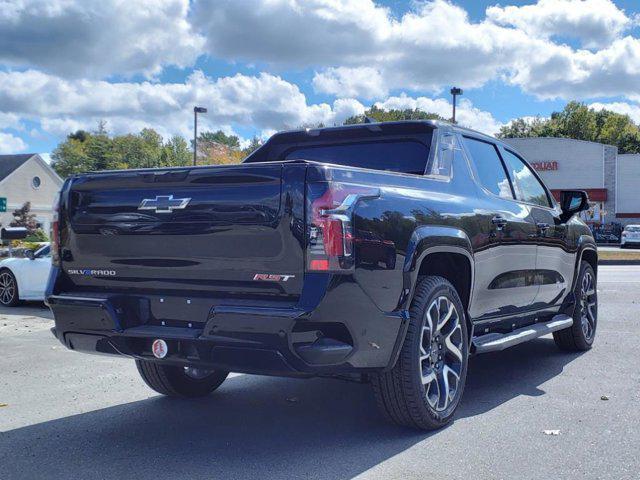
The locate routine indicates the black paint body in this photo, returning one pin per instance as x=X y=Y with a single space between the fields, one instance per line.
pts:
x=187 y=276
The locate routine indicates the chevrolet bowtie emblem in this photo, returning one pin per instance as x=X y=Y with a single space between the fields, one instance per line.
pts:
x=164 y=203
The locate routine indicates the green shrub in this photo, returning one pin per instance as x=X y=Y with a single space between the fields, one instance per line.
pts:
x=37 y=236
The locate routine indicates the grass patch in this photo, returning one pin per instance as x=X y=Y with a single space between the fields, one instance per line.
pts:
x=619 y=255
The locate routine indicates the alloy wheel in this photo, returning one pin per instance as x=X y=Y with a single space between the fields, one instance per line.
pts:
x=7 y=288
x=441 y=353
x=588 y=305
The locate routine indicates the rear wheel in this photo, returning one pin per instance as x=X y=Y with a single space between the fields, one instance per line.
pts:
x=8 y=289
x=425 y=386
x=390 y=261
x=581 y=334
x=176 y=381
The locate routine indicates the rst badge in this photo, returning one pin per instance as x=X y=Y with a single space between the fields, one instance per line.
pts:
x=270 y=277
x=164 y=203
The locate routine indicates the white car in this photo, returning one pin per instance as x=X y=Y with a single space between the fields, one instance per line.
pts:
x=24 y=278
x=630 y=236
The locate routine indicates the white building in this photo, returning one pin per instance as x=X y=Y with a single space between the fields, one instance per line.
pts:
x=628 y=188
x=611 y=180
x=28 y=178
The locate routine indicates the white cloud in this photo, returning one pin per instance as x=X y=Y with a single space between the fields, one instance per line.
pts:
x=431 y=46
x=559 y=72
x=11 y=144
x=633 y=110
x=365 y=82
x=97 y=38
x=359 y=49
x=9 y=120
x=466 y=114
x=57 y=56
x=292 y=32
x=264 y=102
x=594 y=22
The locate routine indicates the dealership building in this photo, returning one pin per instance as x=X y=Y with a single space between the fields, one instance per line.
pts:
x=612 y=180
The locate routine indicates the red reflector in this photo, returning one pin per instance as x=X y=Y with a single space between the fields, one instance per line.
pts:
x=319 y=265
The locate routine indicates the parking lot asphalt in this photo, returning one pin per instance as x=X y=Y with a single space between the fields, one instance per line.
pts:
x=70 y=415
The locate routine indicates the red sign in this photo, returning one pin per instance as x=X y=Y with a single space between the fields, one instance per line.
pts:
x=544 y=166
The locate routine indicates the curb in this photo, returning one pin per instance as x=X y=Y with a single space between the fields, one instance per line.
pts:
x=618 y=262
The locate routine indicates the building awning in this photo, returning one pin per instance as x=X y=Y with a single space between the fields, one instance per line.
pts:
x=595 y=194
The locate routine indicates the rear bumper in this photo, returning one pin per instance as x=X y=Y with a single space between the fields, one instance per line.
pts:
x=334 y=328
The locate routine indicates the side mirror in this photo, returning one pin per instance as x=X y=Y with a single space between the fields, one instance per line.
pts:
x=572 y=202
x=30 y=254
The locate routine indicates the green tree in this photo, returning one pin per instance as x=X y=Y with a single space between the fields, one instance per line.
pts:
x=231 y=141
x=22 y=217
x=578 y=121
x=70 y=157
x=521 y=127
x=84 y=151
x=382 y=115
x=176 y=153
x=254 y=144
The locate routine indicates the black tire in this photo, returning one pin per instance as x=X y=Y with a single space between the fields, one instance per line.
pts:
x=580 y=337
x=9 y=295
x=390 y=261
x=400 y=392
x=173 y=381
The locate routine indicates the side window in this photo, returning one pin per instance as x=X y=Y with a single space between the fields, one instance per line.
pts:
x=528 y=188
x=448 y=149
x=489 y=167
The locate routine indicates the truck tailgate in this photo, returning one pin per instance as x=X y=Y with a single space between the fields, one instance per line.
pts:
x=228 y=229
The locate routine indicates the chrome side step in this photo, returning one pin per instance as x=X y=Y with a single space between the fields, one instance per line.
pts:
x=493 y=342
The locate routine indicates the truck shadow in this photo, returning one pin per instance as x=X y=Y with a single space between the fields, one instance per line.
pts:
x=256 y=426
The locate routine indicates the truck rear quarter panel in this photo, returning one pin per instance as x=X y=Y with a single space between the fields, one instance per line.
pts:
x=411 y=214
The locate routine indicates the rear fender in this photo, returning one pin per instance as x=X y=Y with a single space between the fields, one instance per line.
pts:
x=433 y=239
x=427 y=240
x=585 y=243
x=586 y=246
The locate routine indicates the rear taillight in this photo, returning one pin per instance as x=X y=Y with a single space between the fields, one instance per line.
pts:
x=329 y=224
x=55 y=232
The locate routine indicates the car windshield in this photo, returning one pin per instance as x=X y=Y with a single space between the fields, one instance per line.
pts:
x=633 y=228
x=42 y=251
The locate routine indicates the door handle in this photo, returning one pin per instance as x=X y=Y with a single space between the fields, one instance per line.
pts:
x=499 y=221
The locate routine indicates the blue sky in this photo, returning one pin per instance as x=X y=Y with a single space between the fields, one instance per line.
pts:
x=266 y=65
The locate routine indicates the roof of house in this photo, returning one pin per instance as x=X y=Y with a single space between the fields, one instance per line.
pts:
x=10 y=163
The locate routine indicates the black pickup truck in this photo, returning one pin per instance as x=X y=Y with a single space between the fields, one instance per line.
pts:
x=384 y=251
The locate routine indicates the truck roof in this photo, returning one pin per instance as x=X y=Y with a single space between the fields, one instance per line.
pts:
x=411 y=126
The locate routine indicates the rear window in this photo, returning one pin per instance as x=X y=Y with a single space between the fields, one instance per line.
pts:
x=406 y=156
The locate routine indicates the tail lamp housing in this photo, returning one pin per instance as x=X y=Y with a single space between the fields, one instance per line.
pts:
x=330 y=210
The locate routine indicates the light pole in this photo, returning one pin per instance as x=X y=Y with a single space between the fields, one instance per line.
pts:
x=196 y=111
x=455 y=91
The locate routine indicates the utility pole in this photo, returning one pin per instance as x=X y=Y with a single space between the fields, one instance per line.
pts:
x=455 y=91
x=196 y=111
